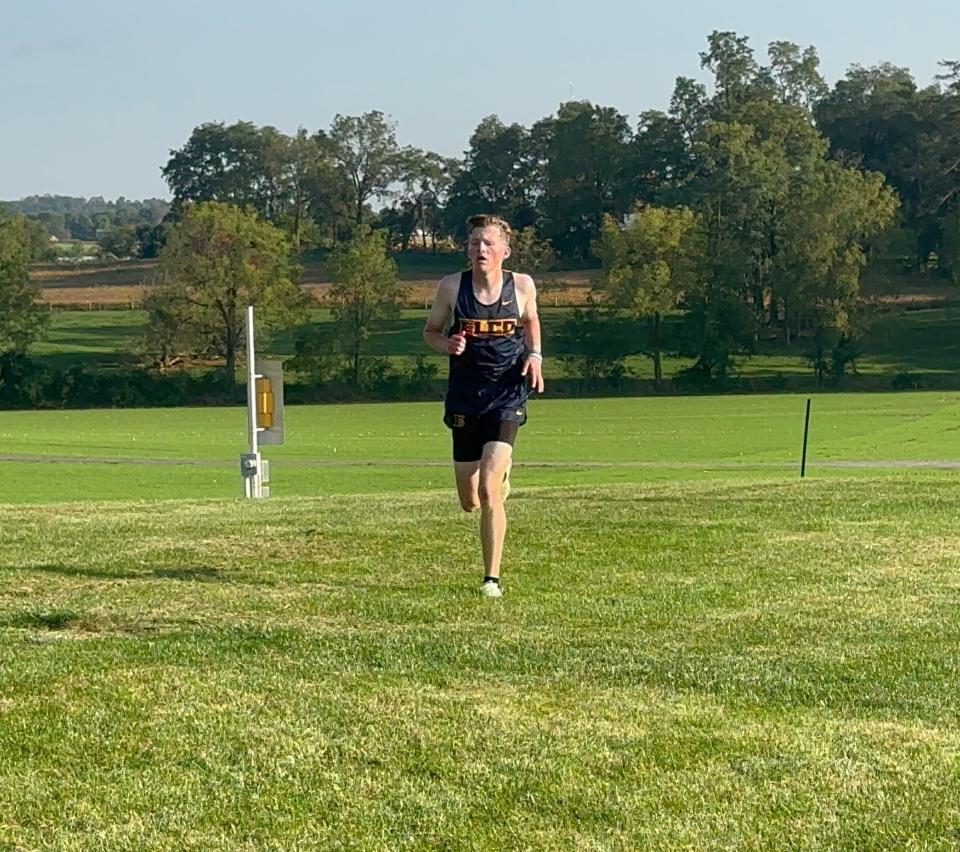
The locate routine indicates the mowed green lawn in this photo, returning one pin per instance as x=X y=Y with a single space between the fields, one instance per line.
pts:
x=184 y=453
x=737 y=664
x=696 y=648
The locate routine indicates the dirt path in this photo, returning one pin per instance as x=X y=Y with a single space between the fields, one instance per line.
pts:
x=932 y=464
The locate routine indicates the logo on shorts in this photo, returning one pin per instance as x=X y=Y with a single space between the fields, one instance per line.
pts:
x=519 y=412
x=459 y=421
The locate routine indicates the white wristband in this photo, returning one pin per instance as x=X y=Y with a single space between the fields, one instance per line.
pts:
x=535 y=353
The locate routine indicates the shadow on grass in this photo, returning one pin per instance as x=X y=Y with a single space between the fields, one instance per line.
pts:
x=69 y=621
x=197 y=574
x=56 y=619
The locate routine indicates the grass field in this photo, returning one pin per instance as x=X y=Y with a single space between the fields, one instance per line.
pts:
x=696 y=649
x=171 y=453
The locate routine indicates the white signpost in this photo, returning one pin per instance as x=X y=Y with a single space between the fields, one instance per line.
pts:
x=264 y=416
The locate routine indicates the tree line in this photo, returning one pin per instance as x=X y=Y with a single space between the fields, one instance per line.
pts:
x=563 y=173
x=748 y=212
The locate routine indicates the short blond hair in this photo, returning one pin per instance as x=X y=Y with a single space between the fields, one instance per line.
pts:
x=488 y=220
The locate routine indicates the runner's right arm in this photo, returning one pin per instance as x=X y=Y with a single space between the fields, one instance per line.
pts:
x=433 y=331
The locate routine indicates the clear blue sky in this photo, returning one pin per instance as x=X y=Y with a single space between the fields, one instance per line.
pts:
x=94 y=95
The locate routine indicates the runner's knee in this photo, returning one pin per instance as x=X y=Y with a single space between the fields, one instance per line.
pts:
x=469 y=503
x=490 y=493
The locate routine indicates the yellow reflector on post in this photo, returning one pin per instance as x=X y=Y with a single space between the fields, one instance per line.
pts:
x=265 y=403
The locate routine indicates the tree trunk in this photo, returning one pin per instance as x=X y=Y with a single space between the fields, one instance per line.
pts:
x=655 y=346
x=423 y=225
x=759 y=308
x=231 y=365
x=358 y=326
x=298 y=208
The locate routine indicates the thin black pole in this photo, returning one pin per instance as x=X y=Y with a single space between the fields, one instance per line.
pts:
x=806 y=431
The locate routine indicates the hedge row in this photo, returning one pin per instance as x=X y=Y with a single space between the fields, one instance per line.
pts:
x=25 y=384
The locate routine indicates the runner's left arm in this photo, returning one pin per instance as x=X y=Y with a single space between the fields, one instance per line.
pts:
x=530 y=320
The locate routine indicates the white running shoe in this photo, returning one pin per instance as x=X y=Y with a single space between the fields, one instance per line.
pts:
x=491 y=590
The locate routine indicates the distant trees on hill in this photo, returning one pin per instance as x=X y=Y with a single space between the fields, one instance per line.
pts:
x=65 y=217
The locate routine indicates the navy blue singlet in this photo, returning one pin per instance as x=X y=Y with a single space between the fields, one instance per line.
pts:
x=487 y=378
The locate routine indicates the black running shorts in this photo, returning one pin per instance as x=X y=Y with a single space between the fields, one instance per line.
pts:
x=470 y=433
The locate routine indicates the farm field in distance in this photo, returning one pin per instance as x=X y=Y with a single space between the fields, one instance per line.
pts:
x=123 y=283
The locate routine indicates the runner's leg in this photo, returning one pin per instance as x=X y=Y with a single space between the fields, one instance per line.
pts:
x=493 y=519
x=468 y=484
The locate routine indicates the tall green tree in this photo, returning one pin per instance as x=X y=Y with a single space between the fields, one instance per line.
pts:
x=877 y=118
x=364 y=292
x=586 y=154
x=330 y=194
x=22 y=319
x=425 y=178
x=784 y=225
x=648 y=264
x=949 y=172
x=948 y=142
x=498 y=174
x=308 y=193
x=366 y=151
x=833 y=211
x=741 y=190
x=222 y=258
x=220 y=163
x=300 y=183
x=662 y=159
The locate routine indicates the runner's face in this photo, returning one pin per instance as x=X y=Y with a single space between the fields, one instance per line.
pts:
x=487 y=249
